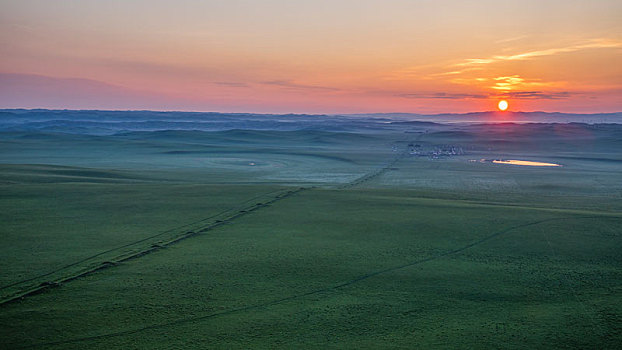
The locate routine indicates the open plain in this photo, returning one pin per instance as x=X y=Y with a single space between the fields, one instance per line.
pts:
x=246 y=231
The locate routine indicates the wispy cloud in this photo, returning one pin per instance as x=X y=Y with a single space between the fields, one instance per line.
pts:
x=231 y=84
x=288 y=84
x=593 y=44
x=516 y=95
x=21 y=90
x=506 y=40
x=515 y=82
x=443 y=96
x=470 y=65
x=507 y=83
x=539 y=95
x=455 y=72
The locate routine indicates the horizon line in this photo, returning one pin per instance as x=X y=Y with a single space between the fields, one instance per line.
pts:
x=298 y=113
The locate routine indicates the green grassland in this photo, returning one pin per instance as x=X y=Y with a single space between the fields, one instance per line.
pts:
x=208 y=241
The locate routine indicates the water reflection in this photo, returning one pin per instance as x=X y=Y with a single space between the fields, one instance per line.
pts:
x=523 y=162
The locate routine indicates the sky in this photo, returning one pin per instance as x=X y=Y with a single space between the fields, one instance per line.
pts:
x=312 y=56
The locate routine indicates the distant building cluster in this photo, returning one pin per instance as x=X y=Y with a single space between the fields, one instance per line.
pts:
x=436 y=151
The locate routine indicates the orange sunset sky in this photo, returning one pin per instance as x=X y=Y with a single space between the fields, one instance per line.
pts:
x=280 y=56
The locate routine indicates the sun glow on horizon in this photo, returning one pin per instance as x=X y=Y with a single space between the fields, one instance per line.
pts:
x=503 y=105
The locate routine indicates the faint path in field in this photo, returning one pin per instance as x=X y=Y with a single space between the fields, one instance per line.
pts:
x=179 y=228
x=39 y=283
x=371 y=175
x=312 y=292
x=378 y=172
x=193 y=228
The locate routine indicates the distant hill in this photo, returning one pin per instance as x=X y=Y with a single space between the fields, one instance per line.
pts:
x=496 y=117
x=96 y=122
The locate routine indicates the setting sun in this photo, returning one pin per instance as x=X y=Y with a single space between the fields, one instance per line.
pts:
x=503 y=105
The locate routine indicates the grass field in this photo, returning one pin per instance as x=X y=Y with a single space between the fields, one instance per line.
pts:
x=416 y=253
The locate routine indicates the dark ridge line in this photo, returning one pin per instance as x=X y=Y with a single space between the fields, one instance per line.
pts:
x=49 y=284
x=316 y=291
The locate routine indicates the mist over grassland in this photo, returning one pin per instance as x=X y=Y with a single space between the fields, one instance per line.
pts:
x=95 y=122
